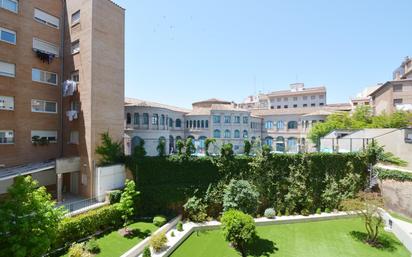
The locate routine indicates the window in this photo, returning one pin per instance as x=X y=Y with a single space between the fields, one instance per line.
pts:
x=268 y=141
x=11 y=5
x=49 y=135
x=397 y=101
x=268 y=124
x=278 y=107
x=216 y=118
x=171 y=122
x=245 y=134
x=187 y=124
x=162 y=119
x=295 y=98
x=245 y=120
x=280 y=124
x=128 y=118
x=145 y=119
x=43 y=106
x=227 y=133
x=285 y=106
x=194 y=124
x=216 y=133
x=285 y=99
x=321 y=96
x=74 y=105
x=75 y=48
x=312 y=97
x=45 y=47
x=7 y=69
x=202 y=124
x=227 y=119
x=76 y=17
x=321 y=104
x=75 y=76
x=295 y=106
x=206 y=123
x=292 y=144
x=179 y=123
x=6 y=137
x=74 y=137
x=7 y=36
x=305 y=97
x=136 y=118
x=397 y=88
x=191 y=124
x=198 y=124
x=237 y=134
x=237 y=119
x=46 y=18
x=6 y=103
x=292 y=125
x=155 y=119
x=305 y=105
x=312 y=105
x=272 y=107
x=44 y=76
x=279 y=99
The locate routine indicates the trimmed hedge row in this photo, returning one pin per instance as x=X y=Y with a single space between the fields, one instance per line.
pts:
x=394 y=174
x=166 y=183
x=72 y=229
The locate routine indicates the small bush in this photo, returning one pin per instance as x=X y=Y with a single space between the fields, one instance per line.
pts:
x=179 y=226
x=270 y=213
x=305 y=212
x=77 y=250
x=92 y=246
x=158 y=241
x=240 y=195
x=287 y=212
x=159 y=221
x=114 y=196
x=279 y=214
x=195 y=209
x=146 y=252
x=327 y=210
x=318 y=211
x=172 y=234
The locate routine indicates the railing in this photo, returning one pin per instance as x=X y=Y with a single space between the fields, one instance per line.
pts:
x=77 y=205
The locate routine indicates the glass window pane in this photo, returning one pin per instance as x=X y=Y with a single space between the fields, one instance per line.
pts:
x=8 y=37
x=10 y=5
x=50 y=107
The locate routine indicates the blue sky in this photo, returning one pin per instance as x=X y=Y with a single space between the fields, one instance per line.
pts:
x=181 y=51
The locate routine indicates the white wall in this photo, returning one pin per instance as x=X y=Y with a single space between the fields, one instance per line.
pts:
x=109 y=178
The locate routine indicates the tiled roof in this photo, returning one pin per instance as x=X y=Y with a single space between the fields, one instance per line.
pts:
x=142 y=103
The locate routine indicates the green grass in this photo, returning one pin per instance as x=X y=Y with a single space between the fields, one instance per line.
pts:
x=114 y=244
x=337 y=238
x=400 y=217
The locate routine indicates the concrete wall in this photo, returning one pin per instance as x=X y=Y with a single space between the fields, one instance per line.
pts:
x=395 y=143
x=109 y=178
x=397 y=196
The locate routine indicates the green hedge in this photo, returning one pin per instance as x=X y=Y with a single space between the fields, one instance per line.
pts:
x=394 y=174
x=72 y=229
x=166 y=183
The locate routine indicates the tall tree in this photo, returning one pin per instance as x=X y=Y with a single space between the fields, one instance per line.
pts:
x=111 y=152
x=28 y=220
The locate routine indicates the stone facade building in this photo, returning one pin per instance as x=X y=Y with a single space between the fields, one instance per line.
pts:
x=61 y=86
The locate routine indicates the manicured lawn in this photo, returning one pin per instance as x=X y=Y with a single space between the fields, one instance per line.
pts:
x=314 y=239
x=114 y=244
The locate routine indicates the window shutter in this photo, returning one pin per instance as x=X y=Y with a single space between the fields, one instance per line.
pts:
x=7 y=69
x=47 y=18
x=45 y=47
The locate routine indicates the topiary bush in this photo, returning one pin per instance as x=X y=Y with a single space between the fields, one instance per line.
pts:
x=270 y=213
x=159 y=221
x=240 y=195
x=146 y=252
x=158 y=241
x=179 y=226
x=318 y=211
x=92 y=246
x=239 y=229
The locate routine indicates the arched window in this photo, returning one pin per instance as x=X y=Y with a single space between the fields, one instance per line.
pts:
x=162 y=120
x=292 y=124
x=191 y=124
x=292 y=144
x=171 y=122
x=280 y=124
x=268 y=124
x=206 y=123
x=237 y=134
x=245 y=134
x=155 y=119
x=145 y=119
x=178 y=123
x=136 y=118
x=280 y=144
x=269 y=141
x=227 y=133
x=194 y=124
x=128 y=118
x=216 y=133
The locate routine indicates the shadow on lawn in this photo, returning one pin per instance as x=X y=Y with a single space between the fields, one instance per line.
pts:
x=261 y=247
x=132 y=233
x=385 y=243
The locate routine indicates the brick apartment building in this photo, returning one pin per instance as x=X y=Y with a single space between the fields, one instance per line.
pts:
x=61 y=86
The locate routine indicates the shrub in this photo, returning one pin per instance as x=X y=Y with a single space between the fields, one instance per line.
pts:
x=77 y=250
x=111 y=152
x=146 y=252
x=239 y=229
x=161 y=147
x=327 y=210
x=172 y=234
x=195 y=209
x=305 y=212
x=114 y=196
x=179 y=226
x=159 y=221
x=158 y=241
x=190 y=147
x=287 y=212
x=92 y=246
x=318 y=211
x=270 y=213
x=247 y=146
x=240 y=195
x=78 y=227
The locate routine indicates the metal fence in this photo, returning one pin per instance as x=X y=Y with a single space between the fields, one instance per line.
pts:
x=75 y=205
x=344 y=145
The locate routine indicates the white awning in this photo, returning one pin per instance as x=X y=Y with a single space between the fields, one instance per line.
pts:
x=12 y=172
